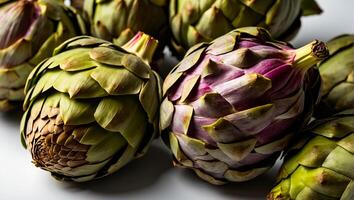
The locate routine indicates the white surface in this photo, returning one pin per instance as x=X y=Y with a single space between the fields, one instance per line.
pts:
x=151 y=177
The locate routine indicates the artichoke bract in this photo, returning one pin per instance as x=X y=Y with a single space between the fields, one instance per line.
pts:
x=78 y=4
x=231 y=106
x=320 y=166
x=119 y=21
x=337 y=73
x=92 y=107
x=195 y=21
x=30 y=30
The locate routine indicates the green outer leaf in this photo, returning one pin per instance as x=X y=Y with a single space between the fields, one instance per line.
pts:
x=109 y=144
x=127 y=156
x=149 y=98
x=77 y=112
x=322 y=167
x=126 y=84
x=124 y=115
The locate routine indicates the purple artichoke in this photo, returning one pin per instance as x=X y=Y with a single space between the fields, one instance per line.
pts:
x=231 y=106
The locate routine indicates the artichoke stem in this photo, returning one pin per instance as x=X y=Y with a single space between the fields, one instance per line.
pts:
x=142 y=45
x=309 y=55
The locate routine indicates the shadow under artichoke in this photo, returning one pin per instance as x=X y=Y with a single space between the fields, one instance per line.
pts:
x=140 y=174
x=254 y=189
x=12 y=118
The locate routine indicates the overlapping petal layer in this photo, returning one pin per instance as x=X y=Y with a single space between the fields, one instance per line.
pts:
x=231 y=106
x=91 y=108
x=320 y=166
x=30 y=30
x=337 y=73
x=194 y=21
x=119 y=21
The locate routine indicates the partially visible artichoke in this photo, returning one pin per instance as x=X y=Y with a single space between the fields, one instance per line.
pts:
x=118 y=21
x=320 y=167
x=30 y=30
x=194 y=21
x=92 y=107
x=337 y=73
x=78 y=4
x=231 y=106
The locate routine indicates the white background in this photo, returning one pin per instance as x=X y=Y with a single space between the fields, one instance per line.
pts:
x=151 y=177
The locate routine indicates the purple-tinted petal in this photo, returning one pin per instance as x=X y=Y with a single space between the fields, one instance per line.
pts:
x=248 y=43
x=182 y=118
x=244 y=88
x=192 y=150
x=16 y=19
x=271 y=52
x=197 y=131
x=280 y=76
x=199 y=91
x=253 y=158
x=177 y=88
x=219 y=155
x=212 y=105
x=252 y=120
x=222 y=74
x=223 y=131
x=274 y=130
x=246 y=58
x=266 y=66
x=288 y=87
x=226 y=73
x=295 y=108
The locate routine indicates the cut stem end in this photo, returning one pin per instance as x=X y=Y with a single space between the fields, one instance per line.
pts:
x=309 y=55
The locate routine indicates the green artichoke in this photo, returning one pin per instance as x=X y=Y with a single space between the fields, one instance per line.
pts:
x=30 y=30
x=92 y=107
x=337 y=74
x=195 y=21
x=320 y=167
x=231 y=106
x=119 y=21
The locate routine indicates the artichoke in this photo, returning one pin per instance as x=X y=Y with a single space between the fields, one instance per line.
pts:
x=230 y=106
x=320 y=166
x=92 y=107
x=194 y=21
x=337 y=74
x=78 y=4
x=119 y=21
x=30 y=30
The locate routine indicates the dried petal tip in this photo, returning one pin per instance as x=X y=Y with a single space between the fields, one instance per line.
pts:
x=309 y=55
x=320 y=50
x=310 y=7
x=280 y=192
x=142 y=45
